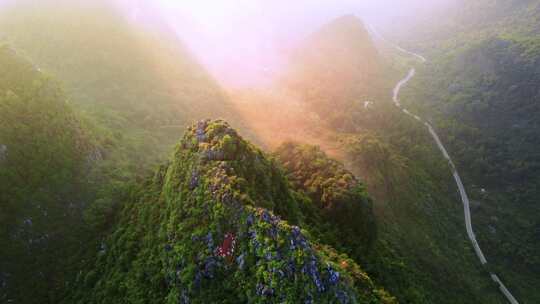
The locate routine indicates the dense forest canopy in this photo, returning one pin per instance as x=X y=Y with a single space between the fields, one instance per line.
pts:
x=481 y=90
x=46 y=151
x=133 y=171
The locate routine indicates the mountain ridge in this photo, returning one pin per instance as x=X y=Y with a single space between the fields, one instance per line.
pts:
x=205 y=196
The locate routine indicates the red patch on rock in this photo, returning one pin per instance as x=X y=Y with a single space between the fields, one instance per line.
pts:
x=227 y=247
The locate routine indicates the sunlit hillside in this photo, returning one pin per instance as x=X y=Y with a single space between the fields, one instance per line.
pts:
x=337 y=67
x=139 y=72
x=249 y=151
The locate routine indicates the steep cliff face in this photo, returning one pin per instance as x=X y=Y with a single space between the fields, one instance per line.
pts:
x=217 y=223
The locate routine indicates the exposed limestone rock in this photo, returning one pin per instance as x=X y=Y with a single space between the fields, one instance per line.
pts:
x=3 y=152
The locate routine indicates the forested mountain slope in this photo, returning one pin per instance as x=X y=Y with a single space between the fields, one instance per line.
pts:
x=132 y=78
x=216 y=224
x=115 y=100
x=335 y=69
x=483 y=96
x=466 y=21
x=421 y=253
x=46 y=153
x=222 y=221
x=345 y=219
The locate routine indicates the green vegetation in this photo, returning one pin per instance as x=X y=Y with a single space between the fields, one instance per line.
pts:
x=72 y=143
x=421 y=253
x=138 y=85
x=336 y=69
x=218 y=189
x=46 y=153
x=340 y=209
x=84 y=220
x=467 y=22
x=483 y=99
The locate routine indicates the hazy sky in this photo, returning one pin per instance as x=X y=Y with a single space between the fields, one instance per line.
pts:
x=242 y=40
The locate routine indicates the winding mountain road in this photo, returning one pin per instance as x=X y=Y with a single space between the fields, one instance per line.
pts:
x=457 y=178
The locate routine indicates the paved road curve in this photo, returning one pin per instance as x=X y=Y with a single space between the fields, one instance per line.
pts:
x=457 y=178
